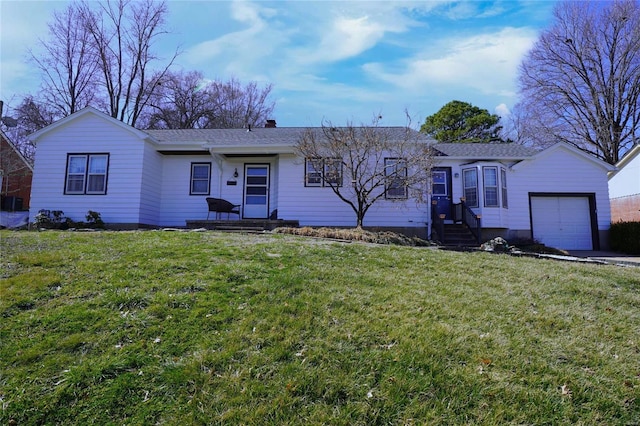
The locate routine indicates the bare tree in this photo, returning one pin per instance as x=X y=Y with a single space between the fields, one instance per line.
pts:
x=123 y=34
x=189 y=101
x=28 y=117
x=581 y=81
x=365 y=164
x=240 y=105
x=180 y=103
x=68 y=65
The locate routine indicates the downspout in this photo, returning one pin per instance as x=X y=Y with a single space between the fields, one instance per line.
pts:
x=217 y=158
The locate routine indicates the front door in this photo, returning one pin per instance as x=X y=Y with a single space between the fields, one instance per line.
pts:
x=256 y=191
x=441 y=190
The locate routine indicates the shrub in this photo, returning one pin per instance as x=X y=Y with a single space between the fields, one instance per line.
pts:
x=94 y=220
x=52 y=219
x=625 y=237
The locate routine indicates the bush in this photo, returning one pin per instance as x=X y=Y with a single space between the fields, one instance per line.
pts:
x=94 y=220
x=55 y=219
x=625 y=237
x=49 y=219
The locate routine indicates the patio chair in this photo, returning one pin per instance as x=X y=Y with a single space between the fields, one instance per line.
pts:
x=219 y=205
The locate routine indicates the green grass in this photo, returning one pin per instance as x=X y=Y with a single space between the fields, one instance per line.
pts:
x=209 y=328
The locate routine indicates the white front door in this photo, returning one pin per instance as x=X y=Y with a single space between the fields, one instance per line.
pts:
x=256 y=191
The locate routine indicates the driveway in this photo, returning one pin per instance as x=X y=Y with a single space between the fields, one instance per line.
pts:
x=608 y=256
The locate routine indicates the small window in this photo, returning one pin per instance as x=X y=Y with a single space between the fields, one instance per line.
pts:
x=395 y=170
x=470 y=186
x=200 y=179
x=333 y=171
x=439 y=184
x=490 y=186
x=313 y=172
x=86 y=174
x=323 y=172
x=503 y=180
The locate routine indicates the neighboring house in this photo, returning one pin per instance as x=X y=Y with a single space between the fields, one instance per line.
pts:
x=624 y=188
x=15 y=177
x=133 y=178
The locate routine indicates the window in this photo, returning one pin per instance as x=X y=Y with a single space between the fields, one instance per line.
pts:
x=323 y=172
x=503 y=180
x=470 y=186
x=333 y=171
x=200 y=178
x=395 y=170
x=490 y=186
x=86 y=174
x=439 y=184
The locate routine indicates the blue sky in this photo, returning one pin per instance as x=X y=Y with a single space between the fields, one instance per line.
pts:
x=327 y=60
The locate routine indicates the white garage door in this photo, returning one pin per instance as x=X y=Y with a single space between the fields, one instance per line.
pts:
x=562 y=222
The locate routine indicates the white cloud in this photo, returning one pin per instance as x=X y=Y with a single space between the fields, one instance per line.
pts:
x=349 y=37
x=485 y=62
x=236 y=51
x=503 y=110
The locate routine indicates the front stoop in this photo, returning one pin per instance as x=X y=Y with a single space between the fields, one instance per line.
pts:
x=458 y=235
x=242 y=225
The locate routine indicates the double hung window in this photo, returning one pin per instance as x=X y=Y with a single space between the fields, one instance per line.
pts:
x=200 y=179
x=503 y=183
x=490 y=175
x=395 y=170
x=323 y=172
x=470 y=186
x=86 y=174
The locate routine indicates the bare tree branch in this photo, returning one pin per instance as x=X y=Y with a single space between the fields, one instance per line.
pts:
x=372 y=160
x=581 y=81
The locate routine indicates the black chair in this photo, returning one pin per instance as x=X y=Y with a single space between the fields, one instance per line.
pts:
x=218 y=205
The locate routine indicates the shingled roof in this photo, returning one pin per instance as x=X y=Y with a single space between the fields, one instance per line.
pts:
x=484 y=150
x=289 y=136
x=260 y=136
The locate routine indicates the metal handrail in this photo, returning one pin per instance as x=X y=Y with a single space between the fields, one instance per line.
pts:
x=472 y=220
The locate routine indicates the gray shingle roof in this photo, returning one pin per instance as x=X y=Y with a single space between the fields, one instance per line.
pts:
x=288 y=136
x=484 y=150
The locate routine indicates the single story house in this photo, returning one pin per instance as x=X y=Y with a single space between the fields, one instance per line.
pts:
x=624 y=187
x=135 y=178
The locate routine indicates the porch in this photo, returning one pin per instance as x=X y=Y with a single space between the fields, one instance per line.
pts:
x=249 y=225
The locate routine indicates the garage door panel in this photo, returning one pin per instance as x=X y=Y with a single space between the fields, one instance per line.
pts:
x=562 y=221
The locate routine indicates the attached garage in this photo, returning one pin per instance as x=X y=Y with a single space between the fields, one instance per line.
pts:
x=564 y=221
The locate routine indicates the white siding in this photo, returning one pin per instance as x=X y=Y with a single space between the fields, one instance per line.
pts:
x=318 y=206
x=556 y=171
x=151 y=186
x=89 y=134
x=491 y=217
x=627 y=180
x=177 y=205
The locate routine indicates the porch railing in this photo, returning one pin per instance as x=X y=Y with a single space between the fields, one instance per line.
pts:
x=464 y=214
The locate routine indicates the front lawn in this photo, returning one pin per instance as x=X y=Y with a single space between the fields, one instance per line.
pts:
x=211 y=328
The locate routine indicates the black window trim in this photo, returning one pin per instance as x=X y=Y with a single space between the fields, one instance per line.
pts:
x=389 y=178
x=87 y=156
x=321 y=171
x=200 y=163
